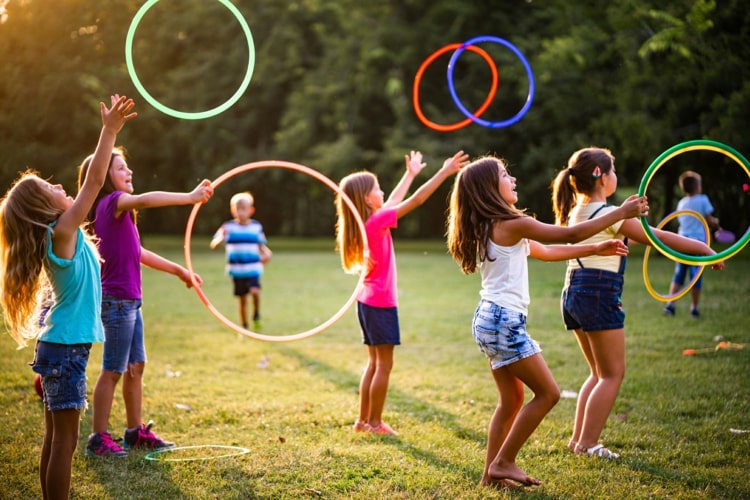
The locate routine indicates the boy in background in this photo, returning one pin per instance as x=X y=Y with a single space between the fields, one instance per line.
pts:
x=246 y=253
x=691 y=227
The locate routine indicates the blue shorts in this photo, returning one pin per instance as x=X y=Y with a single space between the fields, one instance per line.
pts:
x=123 y=333
x=379 y=325
x=681 y=270
x=592 y=301
x=63 y=371
x=501 y=334
x=242 y=286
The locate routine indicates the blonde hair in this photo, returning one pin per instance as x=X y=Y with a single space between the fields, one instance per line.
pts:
x=238 y=198
x=26 y=211
x=349 y=240
x=475 y=204
x=578 y=177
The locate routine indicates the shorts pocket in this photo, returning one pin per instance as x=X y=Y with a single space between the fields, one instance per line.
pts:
x=583 y=305
x=52 y=373
x=485 y=329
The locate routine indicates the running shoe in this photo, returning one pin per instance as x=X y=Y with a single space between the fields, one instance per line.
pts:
x=143 y=437
x=101 y=444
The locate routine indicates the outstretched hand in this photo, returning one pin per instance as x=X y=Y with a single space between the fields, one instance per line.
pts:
x=414 y=163
x=118 y=113
x=203 y=192
x=184 y=275
x=611 y=247
x=635 y=206
x=456 y=162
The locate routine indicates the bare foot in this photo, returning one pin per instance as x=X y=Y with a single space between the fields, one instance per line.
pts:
x=572 y=445
x=499 y=484
x=513 y=472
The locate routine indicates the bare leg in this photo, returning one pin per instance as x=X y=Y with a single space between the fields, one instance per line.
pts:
x=132 y=394
x=46 y=450
x=608 y=349
x=364 y=386
x=535 y=374
x=104 y=393
x=65 y=425
x=379 y=382
x=243 y=310
x=256 y=302
x=510 y=401
x=586 y=388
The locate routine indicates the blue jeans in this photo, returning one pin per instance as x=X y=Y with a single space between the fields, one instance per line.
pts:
x=123 y=333
x=592 y=301
x=63 y=371
x=501 y=334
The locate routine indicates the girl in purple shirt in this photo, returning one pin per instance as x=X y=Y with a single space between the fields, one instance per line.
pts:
x=114 y=222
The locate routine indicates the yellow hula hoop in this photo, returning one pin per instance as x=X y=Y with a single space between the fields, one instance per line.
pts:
x=314 y=174
x=692 y=260
x=681 y=293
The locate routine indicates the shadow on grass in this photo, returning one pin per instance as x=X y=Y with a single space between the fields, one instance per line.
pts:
x=421 y=410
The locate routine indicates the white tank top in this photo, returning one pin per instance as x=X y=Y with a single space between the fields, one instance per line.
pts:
x=505 y=280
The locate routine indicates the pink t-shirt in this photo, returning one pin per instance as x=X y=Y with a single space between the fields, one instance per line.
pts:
x=380 y=288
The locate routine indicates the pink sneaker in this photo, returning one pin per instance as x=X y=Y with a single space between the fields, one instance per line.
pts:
x=360 y=426
x=143 y=437
x=383 y=428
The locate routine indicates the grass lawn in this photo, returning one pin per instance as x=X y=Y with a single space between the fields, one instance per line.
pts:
x=680 y=423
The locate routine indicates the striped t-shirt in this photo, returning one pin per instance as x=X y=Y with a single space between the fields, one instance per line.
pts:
x=243 y=248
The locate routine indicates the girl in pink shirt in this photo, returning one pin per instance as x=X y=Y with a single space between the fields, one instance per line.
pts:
x=377 y=302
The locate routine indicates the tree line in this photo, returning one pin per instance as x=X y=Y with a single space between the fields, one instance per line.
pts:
x=332 y=89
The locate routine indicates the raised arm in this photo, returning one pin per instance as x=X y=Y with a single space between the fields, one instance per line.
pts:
x=450 y=167
x=201 y=194
x=509 y=232
x=414 y=165
x=634 y=231
x=113 y=119
x=552 y=253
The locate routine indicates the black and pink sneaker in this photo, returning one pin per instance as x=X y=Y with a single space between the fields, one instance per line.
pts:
x=142 y=437
x=101 y=444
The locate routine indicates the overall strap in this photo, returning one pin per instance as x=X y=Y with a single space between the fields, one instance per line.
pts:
x=623 y=260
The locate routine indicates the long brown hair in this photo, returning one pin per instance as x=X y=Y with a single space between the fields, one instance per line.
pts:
x=349 y=240
x=107 y=188
x=26 y=211
x=579 y=176
x=475 y=204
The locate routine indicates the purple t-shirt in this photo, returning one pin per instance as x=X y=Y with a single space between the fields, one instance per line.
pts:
x=120 y=249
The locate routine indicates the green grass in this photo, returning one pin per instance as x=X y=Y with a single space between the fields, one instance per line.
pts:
x=671 y=422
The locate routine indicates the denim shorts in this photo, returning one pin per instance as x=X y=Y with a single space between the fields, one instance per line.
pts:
x=379 y=325
x=63 y=371
x=123 y=333
x=682 y=270
x=501 y=334
x=243 y=286
x=592 y=301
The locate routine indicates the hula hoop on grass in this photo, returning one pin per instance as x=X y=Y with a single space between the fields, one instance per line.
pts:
x=154 y=455
x=418 y=79
x=459 y=104
x=679 y=293
x=701 y=144
x=314 y=174
x=184 y=114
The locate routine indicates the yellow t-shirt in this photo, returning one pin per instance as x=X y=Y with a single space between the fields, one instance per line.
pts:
x=582 y=213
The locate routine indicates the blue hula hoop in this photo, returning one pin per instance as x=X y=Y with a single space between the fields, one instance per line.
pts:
x=459 y=104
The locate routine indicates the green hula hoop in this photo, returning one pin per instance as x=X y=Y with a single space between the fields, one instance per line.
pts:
x=701 y=144
x=185 y=115
x=155 y=456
